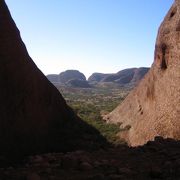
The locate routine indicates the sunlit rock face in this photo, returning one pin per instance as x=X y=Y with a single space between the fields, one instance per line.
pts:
x=34 y=116
x=153 y=108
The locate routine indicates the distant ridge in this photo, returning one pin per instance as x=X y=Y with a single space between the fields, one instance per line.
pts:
x=126 y=76
x=74 y=78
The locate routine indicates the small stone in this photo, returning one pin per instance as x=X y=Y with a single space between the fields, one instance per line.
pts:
x=10 y=168
x=124 y=171
x=155 y=172
x=48 y=170
x=37 y=159
x=96 y=177
x=167 y=164
x=33 y=176
x=85 y=166
x=45 y=164
x=97 y=164
x=115 y=177
x=70 y=162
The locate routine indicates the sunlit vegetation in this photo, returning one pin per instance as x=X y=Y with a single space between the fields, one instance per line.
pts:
x=92 y=104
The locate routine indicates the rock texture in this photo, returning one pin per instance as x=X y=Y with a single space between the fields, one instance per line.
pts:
x=153 y=108
x=34 y=117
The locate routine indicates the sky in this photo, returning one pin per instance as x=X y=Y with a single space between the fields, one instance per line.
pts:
x=89 y=35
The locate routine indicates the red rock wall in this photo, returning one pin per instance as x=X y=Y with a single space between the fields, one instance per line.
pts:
x=153 y=108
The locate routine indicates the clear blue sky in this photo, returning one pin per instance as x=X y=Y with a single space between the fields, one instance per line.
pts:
x=89 y=35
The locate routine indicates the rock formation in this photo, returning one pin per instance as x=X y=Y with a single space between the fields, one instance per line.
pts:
x=70 y=78
x=127 y=76
x=73 y=78
x=153 y=108
x=34 y=117
x=71 y=74
x=97 y=77
x=123 y=77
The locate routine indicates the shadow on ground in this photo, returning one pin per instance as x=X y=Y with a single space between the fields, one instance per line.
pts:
x=159 y=159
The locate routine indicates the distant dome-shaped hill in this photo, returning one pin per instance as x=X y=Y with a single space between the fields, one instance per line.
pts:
x=71 y=78
x=74 y=78
x=127 y=76
x=97 y=77
x=68 y=75
x=123 y=77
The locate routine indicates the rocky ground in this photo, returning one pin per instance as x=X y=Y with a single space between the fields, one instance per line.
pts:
x=159 y=159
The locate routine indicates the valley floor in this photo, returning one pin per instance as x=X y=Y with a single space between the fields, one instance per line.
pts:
x=90 y=104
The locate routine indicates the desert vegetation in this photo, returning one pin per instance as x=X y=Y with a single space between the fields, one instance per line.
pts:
x=92 y=103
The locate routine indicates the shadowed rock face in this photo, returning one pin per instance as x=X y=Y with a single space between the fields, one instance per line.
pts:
x=153 y=108
x=33 y=115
